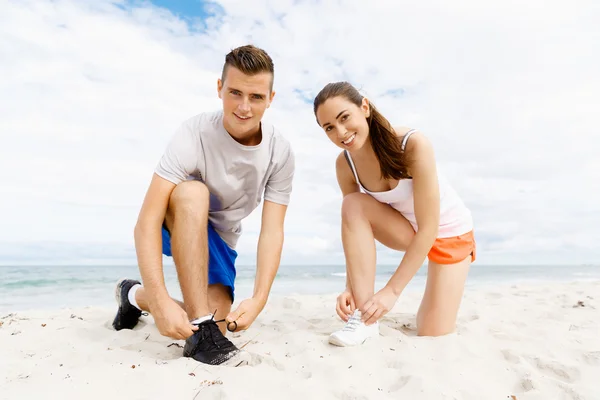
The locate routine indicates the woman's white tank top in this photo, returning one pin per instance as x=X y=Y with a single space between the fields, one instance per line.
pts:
x=455 y=217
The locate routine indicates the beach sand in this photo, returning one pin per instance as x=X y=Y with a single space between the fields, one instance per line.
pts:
x=512 y=342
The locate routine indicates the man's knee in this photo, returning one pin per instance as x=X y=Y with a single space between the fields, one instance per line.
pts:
x=190 y=200
x=189 y=196
x=187 y=192
x=353 y=206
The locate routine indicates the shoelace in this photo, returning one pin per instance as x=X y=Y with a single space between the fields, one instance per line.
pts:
x=213 y=330
x=352 y=324
x=235 y=325
x=216 y=337
x=229 y=323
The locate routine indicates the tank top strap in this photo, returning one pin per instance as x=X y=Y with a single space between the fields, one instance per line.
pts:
x=405 y=139
x=352 y=167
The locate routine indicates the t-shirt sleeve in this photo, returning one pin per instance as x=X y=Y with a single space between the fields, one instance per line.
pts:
x=279 y=185
x=181 y=157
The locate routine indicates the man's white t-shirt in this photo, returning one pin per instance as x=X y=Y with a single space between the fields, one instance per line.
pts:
x=237 y=176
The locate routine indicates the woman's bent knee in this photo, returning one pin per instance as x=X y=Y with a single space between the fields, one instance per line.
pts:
x=430 y=324
x=353 y=205
x=432 y=329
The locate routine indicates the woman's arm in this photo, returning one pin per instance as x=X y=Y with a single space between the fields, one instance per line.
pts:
x=348 y=185
x=427 y=210
x=422 y=167
x=345 y=177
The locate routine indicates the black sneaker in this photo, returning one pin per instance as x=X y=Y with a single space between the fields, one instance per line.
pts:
x=208 y=345
x=128 y=314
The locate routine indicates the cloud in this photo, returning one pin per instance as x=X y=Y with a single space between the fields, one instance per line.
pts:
x=92 y=91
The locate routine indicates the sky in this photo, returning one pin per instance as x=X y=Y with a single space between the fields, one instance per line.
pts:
x=92 y=91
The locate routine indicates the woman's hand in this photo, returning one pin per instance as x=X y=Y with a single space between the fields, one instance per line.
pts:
x=345 y=305
x=378 y=305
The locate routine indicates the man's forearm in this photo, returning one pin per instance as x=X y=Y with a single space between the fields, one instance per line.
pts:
x=270 y=245
x=147 y=245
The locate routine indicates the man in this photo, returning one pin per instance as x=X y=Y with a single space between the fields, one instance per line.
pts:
x=213 y=174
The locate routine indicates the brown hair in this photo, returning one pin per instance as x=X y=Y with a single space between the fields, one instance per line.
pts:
x=250 y=60
x=385 y=143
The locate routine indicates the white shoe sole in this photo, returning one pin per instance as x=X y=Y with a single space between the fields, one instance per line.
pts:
x=239 y=360
x=336 y=341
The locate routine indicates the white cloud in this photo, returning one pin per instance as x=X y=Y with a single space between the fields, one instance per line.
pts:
x=91 y=92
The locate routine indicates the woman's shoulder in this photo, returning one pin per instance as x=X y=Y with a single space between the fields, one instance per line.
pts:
x=345 y=176
x=400 y=131
x=341 y=162
x=417 y=138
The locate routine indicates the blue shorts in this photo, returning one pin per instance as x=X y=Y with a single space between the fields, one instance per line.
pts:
x=221 y=259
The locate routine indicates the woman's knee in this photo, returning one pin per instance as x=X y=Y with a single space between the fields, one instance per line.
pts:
x=432 y=325
x=353 y=206
x=433 y=329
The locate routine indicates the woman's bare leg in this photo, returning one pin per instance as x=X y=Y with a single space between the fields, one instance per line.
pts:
x=443 y=295
x=365 y=219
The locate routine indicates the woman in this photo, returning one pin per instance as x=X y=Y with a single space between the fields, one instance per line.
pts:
x=405 y=205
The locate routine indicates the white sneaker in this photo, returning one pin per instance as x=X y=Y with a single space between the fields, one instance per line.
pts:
x=355 y=332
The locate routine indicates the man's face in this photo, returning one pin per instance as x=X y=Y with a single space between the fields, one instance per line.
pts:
x=245 y=100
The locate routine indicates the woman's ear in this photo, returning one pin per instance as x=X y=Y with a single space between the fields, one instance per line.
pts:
x=366 y=107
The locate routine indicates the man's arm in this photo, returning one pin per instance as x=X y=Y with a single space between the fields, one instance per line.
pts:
x=270 y=245
x=270 y=242
x=171 y=320
x=148 y=239
x=177 y=162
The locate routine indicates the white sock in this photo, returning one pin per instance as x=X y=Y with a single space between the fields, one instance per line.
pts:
x=131 y=296
x=201 y=319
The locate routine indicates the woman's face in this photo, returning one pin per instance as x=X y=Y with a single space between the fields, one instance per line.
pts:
x=344 y=122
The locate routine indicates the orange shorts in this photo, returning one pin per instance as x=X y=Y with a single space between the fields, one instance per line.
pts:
x=453 y=249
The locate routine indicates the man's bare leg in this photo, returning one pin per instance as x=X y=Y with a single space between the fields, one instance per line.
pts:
x=219 y=300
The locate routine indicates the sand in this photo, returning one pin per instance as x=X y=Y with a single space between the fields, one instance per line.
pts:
x=520 y=342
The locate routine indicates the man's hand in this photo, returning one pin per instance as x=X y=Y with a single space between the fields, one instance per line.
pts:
x=378 y=305
x=171 y=320
x=246 y=313
x=345 y=305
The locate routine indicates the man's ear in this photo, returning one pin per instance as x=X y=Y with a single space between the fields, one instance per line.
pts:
x=219 y=87
x=271 y=98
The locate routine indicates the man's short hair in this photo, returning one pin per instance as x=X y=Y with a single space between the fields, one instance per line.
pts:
x=249 y=59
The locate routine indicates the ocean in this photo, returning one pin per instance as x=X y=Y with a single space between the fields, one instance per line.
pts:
x=54 y=287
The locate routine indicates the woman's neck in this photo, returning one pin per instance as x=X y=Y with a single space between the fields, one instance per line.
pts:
x=366 y=154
